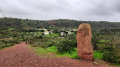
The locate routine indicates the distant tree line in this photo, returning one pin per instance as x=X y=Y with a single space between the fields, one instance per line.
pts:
x=26 y=24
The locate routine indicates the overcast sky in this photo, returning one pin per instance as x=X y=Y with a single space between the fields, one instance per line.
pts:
x=95 y=10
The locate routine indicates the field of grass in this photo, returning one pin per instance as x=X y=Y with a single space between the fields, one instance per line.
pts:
x=98 y=55
x=53 y=50
x=72 y=54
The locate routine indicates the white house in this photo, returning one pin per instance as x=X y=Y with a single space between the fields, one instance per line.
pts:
x=62 y=34
x=74 y=30
x=69 y=32
x=46 y=32
x=45 y=29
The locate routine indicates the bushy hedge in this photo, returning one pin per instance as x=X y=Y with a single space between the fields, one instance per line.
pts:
x=9 y=42
x=42 y=41
x=3 y=45
x=109 y=45
x=111 y=53
x=65 y=45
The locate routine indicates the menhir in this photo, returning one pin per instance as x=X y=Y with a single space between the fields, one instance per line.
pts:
x=84 y=47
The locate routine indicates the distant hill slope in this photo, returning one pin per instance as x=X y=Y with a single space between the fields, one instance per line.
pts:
x=26 y=23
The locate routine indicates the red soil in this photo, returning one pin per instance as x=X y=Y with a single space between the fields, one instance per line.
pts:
x=21 y=55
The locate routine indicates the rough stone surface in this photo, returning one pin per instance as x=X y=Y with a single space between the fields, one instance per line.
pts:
x=84 y=47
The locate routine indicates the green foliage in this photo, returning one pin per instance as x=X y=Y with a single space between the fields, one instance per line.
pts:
x=65 y=45
x=42 y=41
x=26 y=24
x=111 y=54
x=108 y=45
x=56 y=30
x=5 y=43
x=95 y=41
x=47 y=50
x=39 y=37
x=72 y=54
x=53 y=50
x=3 y=36
x=98 y=55
x=47 y=44
x=52 y=35
x=99 y=42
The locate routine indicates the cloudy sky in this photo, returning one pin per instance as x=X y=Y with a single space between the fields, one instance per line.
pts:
x=95 y=10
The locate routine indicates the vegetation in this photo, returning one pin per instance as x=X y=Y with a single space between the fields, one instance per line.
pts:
x=109 y=46
x=53 y=50
x=112 y=53
x=26 y=24
x=98 y=55
x=66 y=45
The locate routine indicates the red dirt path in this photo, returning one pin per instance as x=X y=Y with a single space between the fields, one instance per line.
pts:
x=21 y=55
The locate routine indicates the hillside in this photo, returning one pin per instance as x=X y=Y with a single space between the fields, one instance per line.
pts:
x=28 y=24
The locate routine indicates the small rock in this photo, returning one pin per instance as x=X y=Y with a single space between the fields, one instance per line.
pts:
x=95 y=63
x=36 y=64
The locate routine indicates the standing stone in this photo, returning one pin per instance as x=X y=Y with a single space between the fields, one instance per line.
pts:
x=84 y=47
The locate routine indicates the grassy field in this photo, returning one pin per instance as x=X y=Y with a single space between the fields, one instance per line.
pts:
x=72 y=54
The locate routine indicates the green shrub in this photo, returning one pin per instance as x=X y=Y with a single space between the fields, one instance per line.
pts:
x=39 y=37
x=65 y=45
x=15 y=41
x=35 y=45
x=3 y=36
x=111 y=54
x=3 y=45
x=47 y=44
x=98 y=42
x=95 y=41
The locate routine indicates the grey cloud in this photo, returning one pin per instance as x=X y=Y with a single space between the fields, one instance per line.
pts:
x=106 y=10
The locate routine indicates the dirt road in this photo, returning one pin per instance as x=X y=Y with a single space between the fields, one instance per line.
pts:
x=21 y=55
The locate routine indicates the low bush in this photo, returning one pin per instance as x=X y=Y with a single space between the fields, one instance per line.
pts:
x=3 y=45
x=39 y=37
x=111 y=53
x=65 y=45
x=95 y=41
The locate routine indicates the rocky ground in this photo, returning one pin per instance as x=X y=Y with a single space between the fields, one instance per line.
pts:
x=21 y=55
